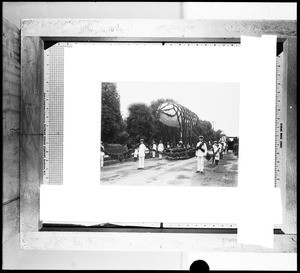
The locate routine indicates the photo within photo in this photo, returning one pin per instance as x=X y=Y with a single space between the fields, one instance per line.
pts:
x=169 y=134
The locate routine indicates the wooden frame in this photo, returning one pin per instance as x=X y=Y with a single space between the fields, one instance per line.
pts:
x=34 y=35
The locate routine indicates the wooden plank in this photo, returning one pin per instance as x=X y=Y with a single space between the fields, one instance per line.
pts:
x=11 y=103
x=11 y=85
x=11 y=80
x=11 y=36
x=118 y=241
x=11 y=143
x=12 y=67
x=13 y=47
x=11 y=221
x=12 y=56
x=290 y=202
x=11 y=164
x=7 y=25
x=32 y=85
x=285 y=133
x=31 y=155
x=31 y=178
x=155 y=28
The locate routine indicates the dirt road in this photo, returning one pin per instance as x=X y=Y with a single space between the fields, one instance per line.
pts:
x=172 y=172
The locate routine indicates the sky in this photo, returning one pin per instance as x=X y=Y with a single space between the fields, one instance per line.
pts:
x=214 y=102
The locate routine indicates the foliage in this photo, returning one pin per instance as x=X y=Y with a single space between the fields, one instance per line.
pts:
x=205 y=129
x=218 y=135
x=111 y=119
x=140 y=122
x=143 y=122
x=123 y=137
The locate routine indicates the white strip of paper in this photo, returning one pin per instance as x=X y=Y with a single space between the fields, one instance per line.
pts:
x=82 y=110
x=257 y=132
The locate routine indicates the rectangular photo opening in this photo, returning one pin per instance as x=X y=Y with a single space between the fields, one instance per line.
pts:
x=193 y=90
x=169 y=134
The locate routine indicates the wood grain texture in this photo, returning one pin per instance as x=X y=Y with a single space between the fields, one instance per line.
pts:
x=118 y=241
x=11 y=220
x=290 y=217
x=155 y=28
x=31 y=178
x=31 y=155
x=32 y=85
x=11 y=163
x=11 y=112
x=11 y=144
x=10 y=38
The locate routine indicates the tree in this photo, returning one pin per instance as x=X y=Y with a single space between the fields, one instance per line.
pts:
x=111 y=119
x=140 y=122
x=123 y=136
x=205 y=128
x=218 y=135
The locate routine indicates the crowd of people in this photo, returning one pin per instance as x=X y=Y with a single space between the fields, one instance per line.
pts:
x=217 y=151
x=214 y=150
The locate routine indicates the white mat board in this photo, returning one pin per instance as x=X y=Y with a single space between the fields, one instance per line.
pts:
x=82 y=199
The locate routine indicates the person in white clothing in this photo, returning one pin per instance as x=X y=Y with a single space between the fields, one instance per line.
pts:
x=216 y=152
x=225 y=147
x=142 y=149
x=135 y=154
x=160 y=149
x=102 y=153
x=201 y=151
x=153 y=149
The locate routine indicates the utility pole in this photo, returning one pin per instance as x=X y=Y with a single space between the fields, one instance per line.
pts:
x=213 y=124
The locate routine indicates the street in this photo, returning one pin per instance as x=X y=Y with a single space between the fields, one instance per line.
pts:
x=172 y=172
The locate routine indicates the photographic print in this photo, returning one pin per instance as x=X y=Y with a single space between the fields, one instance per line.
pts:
x=169 y=133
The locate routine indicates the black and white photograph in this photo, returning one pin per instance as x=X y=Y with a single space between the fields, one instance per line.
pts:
x=169 y=134
x=149 y=136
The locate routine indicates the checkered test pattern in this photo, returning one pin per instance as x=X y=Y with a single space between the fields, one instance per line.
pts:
x=54 y=113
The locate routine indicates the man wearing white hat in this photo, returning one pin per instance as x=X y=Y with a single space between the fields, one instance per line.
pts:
x=201 y=151
x=142 y=150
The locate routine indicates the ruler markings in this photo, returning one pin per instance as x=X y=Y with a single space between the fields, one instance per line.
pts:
x=53 y=115
x=46 y=115
x=279 y=123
